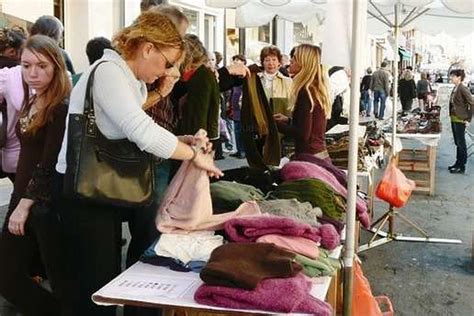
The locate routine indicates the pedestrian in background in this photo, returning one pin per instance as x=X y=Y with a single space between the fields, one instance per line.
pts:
x=406 y=90
x=461 y=109
x=380 y=85
x=235 y=103
x=423 y=88
x=366 y=99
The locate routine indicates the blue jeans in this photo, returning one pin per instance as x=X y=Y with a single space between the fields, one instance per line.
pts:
x=366 y=102
x=379 y=95
x=238 y=137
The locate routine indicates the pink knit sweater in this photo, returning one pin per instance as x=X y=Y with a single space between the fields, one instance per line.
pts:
x=249 y=229
x=11 y=90
x=187 y=204
x=282 y=295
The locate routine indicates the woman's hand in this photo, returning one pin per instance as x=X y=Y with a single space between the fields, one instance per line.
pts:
x=280 y=118
x=194 y=140
x=206 y=162
x=17 y=220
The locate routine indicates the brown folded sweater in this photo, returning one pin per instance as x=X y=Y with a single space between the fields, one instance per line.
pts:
x=244 y=265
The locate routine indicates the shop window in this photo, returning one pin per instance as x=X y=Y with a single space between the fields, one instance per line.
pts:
x=59 y=9
x=209 y=31
x=302 y=34
x=193 y=18
x=256 y=38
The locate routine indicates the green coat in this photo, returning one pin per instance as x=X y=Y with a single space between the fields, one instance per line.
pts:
x=199 y=107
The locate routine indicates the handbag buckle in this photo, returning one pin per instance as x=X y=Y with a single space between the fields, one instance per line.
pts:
x=91 y=127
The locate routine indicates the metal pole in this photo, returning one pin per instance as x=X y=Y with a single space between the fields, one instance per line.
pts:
x=242 y=41
x=274 y=25
x=413 y=18
x=409 y=15
x=381 y=20
x=395 y=78
x=224 y=50
x=381 y=14
x=359 y=7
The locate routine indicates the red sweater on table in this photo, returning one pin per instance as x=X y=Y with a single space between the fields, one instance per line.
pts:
x=306 y=127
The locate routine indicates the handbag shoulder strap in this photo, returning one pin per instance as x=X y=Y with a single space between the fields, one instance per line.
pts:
x=89 y=98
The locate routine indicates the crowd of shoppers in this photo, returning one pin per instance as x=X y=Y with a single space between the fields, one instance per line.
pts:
x=151 y=82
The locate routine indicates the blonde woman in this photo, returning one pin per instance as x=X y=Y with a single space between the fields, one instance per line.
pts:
x=144 y=52
x=311 y=105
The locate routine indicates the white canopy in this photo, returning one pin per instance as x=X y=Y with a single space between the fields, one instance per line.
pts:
x=454 y=17
x=252 y=13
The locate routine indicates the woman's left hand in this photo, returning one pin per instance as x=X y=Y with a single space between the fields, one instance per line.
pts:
x=280 y=118
x=17 y=220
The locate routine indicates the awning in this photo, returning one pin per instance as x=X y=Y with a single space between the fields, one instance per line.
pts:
x=404 y=54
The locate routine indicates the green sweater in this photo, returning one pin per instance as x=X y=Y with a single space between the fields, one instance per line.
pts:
x=199 y=108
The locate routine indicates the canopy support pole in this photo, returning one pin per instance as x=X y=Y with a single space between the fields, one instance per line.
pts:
x=414 y=18
x=381 y=20
x=409 y=15
x=396 y=31
x=387 y=21
x=358 y=9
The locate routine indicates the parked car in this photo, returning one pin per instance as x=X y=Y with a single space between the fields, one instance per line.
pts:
x=470 y=83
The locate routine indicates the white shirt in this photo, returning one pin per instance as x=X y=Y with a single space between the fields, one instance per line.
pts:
x=118 y=100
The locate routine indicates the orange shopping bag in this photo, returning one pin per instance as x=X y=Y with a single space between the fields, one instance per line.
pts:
x=363 y=301
x=394 y=187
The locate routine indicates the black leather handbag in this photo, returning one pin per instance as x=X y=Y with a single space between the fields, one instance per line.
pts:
x=99 y=170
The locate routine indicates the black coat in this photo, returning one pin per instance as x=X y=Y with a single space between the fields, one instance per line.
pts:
x=406 y=89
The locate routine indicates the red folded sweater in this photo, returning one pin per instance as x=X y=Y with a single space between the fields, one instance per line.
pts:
x=250 y=228
x=288 y=295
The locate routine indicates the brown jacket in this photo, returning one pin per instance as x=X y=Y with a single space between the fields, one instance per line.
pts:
x=462 y=104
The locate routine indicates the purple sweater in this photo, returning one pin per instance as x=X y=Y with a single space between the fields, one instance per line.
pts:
x=236 y=102
x=282 y=295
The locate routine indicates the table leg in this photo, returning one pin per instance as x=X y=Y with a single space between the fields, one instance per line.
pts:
x=432 y=166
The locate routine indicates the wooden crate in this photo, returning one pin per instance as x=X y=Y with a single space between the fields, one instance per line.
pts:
x=421 y=162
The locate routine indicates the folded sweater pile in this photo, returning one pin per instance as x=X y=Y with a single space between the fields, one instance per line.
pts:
x=250 y=228
x=296 y=170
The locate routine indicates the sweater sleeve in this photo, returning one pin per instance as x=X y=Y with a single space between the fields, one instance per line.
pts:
x=114 y=98
x=39 y=188
x=302 y=118
x=227 y=81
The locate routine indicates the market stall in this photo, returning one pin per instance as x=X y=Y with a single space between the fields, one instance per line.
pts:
x=145 y=285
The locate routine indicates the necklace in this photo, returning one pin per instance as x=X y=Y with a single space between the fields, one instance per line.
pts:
x=28 y=116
